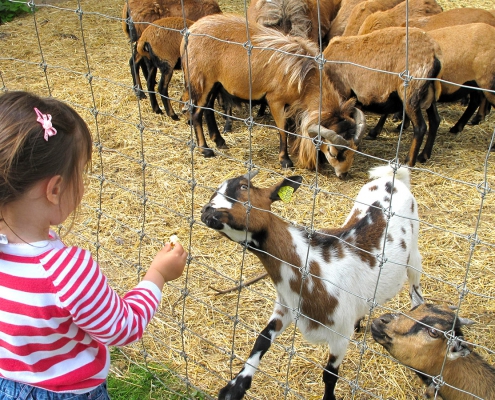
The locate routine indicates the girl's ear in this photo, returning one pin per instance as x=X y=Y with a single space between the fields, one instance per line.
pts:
x=54 y=189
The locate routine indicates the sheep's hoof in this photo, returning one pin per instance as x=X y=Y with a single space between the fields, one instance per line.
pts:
x=422 y=158
x=222 y=146
x=476 y=120
x=175 y=117
x=157 y=111
x=455 y=129
x=208 y=153
x=286 y=163
x=370 y=137
x=140 y=94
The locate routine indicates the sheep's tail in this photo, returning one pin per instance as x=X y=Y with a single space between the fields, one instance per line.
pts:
x=403 y=174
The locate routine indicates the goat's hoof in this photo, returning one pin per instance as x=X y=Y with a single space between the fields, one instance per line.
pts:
x=175 y=117
x=140 y=95
x=235 y=391
x=158 y=111
x=370 y=137
x=207 y=153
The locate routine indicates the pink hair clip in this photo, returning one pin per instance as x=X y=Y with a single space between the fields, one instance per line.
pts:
x=46 y=122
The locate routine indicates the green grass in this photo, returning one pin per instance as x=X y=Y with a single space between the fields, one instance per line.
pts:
x=128 y=381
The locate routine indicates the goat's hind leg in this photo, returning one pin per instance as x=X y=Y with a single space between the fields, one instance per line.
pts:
x=414 y=271
x=237 y=387
x=338 y=342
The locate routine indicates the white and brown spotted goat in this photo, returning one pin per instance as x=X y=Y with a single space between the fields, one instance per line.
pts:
x=420 y=340
x=326 y=279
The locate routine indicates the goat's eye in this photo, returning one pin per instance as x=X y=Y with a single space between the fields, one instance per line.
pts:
x=433 y=332
x=244 y=187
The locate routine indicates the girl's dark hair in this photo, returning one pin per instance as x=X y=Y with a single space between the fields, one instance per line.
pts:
x=26 y=157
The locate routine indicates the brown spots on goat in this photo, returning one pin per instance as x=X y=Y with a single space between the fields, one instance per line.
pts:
x=412 y=207
x=390 y=238
x=403 y=244
x=389 y=188
x=386 y=199
x=403 y=230
x=373 y=188
x=313 y=287
x=370 y=233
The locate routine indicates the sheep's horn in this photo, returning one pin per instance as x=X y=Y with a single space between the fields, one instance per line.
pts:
x=332 y=136
x=251 y=174
x=360 y=119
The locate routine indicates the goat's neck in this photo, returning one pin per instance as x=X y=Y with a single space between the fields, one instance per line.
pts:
x=471 y=374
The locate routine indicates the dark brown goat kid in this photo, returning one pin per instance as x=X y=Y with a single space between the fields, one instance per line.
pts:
x=429 y=339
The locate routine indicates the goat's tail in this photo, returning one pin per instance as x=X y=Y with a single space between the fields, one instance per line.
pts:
x=403 y=174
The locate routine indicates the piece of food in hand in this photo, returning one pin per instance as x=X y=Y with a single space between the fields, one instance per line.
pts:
x=174 y=239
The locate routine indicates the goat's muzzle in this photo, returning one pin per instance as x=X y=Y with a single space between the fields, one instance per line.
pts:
x=209 y=216
x=378 y=327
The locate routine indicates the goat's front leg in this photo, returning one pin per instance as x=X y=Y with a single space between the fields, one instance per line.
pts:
x=338 y=343
x=237 y=387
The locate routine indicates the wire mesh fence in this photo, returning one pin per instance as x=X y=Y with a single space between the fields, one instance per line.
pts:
x=149 y=181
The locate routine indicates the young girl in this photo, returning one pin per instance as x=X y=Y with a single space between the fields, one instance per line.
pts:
x=57 y=313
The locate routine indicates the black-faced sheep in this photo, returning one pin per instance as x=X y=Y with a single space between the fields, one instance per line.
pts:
x=283 y=71
x=305 y=18
x=384 y=93
x=429 y=339
x=326 y=278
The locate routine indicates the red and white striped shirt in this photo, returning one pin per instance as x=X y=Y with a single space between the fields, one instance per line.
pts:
x=58 y=315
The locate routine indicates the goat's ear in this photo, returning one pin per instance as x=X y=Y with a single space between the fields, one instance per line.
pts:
x=458 y=348
x=283 y=191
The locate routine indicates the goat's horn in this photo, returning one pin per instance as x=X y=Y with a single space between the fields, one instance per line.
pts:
x=466 y=321
x=251 y=174
x=360 y=119
x=332 y=136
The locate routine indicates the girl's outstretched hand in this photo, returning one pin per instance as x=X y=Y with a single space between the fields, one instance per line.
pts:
x=169 y=262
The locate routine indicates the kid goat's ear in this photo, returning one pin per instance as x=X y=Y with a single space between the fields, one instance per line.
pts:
x=283 y=191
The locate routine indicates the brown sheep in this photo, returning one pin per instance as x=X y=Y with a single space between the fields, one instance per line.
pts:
x=295 y=17
x=430 y=340
x=160 y=44
x=397 y=15
x=467 y=61
x=339 y=23
x=455 y=16
x=138 y=14
x=363 y=10
x=383 y=93
x=283 y=71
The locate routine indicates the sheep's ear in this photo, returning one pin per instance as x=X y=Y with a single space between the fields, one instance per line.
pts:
x=458 y=348
x=284 y=190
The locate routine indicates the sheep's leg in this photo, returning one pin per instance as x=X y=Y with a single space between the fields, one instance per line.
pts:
x=211 y=122
x=377 y=129
x=433 y=124
x=136 y=79
x=163 y=90
x=419 y=129
x=238 y=386
x=151 y=90
x=261 y=110
x=226 y=105
x=278 y=113
x=404 y=125
x=197 y=121
x=483 y=111
x=474 y=101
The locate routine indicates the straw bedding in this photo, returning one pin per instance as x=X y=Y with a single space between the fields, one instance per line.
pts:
x=149 y=185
